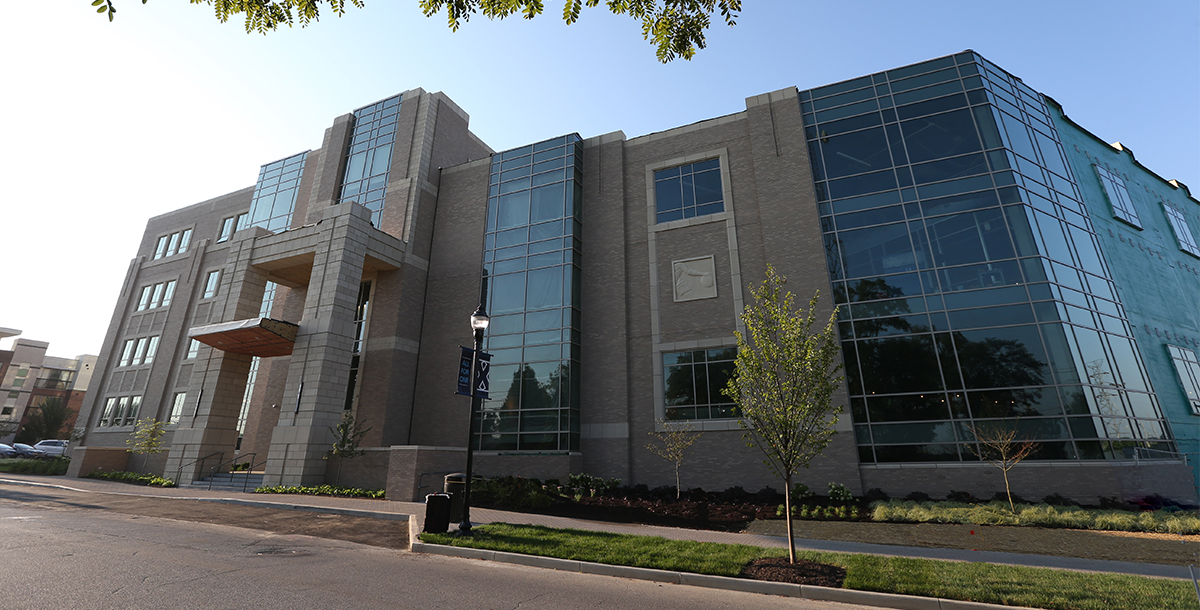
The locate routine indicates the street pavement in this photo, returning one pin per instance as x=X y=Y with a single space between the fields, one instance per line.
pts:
x=403 y=510
x=79 y=558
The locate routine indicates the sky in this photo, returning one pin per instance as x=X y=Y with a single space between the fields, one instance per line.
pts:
x=109 y=124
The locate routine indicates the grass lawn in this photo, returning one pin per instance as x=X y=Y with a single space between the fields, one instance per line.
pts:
x=979 y=582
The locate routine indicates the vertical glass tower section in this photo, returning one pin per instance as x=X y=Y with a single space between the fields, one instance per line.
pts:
x=370 y=156
x=531 y=289
x=970 y=281
x=275 y=194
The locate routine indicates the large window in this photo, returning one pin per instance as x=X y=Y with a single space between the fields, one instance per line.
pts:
x=531 y=260
x=177 y=407
x=1188 y=368
x=120 y=411
x=688 y=191
x=370 y=156
x=692 y=384
x=1118 y=196
x=1183 y=233
x=175 y=243
x=210 y=284
x=138 y=351
x=156 y=295
x=231 y=225
x=275 y=195
x=971 y=286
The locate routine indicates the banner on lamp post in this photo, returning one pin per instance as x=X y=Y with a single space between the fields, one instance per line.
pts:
x=482 y=373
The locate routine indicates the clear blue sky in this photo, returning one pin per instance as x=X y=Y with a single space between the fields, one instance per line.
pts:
x=108 y=124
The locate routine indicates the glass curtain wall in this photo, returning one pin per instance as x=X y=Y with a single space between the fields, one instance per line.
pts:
x=970 y=281
x=275 y=194
x=531 y=288
x=370 y=156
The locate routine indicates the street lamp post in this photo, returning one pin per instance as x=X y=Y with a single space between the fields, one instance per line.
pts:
x=479 y=322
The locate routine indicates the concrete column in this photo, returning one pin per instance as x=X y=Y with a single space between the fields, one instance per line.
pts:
x=209 y=423
x=319 y=371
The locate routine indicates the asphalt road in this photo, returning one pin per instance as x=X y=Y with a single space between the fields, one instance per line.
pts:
x=78 y=555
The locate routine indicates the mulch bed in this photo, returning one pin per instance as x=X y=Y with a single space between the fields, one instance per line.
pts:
x=777 y=569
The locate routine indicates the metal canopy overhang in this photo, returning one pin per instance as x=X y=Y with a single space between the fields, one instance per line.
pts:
x=262 y=337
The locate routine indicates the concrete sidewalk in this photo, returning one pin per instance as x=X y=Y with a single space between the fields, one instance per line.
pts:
x=414 y=512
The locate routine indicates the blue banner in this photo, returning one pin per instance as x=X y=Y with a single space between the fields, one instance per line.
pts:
x=482 y=373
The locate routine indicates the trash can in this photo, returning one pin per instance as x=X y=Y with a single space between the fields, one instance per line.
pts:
x=437 y=513
x=454 y=485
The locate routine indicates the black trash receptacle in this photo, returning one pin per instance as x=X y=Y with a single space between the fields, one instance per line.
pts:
x=454 y=486
x=437 y=513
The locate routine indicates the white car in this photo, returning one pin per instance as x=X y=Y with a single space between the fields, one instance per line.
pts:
x=53 y=448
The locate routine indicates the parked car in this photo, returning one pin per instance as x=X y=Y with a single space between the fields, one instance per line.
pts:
x=28 y=452
x=52 y=447
x=6 y=451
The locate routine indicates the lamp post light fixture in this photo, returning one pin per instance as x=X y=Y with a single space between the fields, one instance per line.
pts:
x=479 y=323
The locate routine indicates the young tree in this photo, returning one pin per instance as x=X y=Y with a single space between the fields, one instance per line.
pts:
x=1001 y=446
x=147 y=438
x=348 y=436
x=784 y=383
x=673 y=444
x=47 y=421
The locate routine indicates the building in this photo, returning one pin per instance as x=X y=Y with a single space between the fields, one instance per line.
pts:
x=28 y=376
x=943 y=206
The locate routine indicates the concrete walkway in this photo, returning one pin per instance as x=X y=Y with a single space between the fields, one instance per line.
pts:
x=414 y=512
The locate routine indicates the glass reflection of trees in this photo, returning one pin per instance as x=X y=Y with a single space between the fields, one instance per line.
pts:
x=532 y=402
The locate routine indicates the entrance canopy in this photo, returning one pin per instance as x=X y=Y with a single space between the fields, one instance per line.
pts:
x=262 y=337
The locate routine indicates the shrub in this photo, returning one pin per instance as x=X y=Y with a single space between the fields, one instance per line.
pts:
x=768 y=495
x=964 y=497
x=511 y=493
x=876 y=494
x=1058 y=500
x=839 y=493
x=1040 y=515
x=135 y=478
x=49 y=466
x=323 y=490
x=599 y=484
x=800 y=493
x=918 y=496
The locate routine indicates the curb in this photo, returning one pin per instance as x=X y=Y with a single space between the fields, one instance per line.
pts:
x=810 y=592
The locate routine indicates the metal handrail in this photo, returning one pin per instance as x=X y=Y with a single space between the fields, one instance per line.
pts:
x=213 y=471
x=179 y=473
x=246 y=481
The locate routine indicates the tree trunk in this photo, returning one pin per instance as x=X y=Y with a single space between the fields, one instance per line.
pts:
x=677 y=490
x=787 y=512
x=1008 y=492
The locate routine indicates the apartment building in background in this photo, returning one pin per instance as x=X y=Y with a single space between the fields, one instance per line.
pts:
x=28 y=376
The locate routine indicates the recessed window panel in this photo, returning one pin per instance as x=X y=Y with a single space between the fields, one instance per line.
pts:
x=1187 y=367
x=688 y=191
x=695 y=379
x=1183 y=233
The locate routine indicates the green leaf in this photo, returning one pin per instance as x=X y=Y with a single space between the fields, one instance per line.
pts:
x=98 y=3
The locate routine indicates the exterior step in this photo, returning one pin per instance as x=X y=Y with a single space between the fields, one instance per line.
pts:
x=235 y=481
